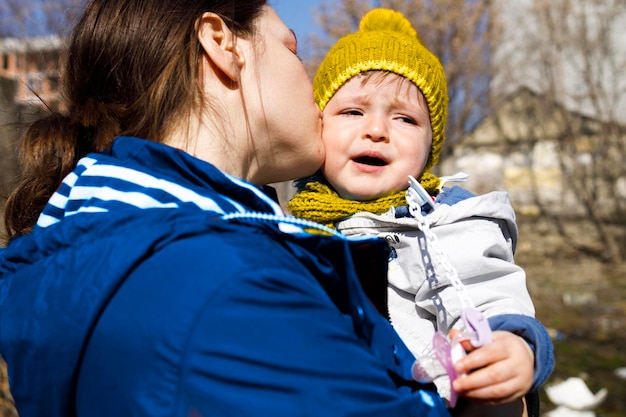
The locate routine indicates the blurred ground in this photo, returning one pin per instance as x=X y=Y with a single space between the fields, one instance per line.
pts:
x=580 y=299
x=583 y=303
x=6 y=405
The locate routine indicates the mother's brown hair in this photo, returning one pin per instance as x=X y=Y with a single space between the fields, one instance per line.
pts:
x=131 y=68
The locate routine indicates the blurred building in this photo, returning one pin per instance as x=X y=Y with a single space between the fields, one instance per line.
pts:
x=545 y=156
x=33 y=64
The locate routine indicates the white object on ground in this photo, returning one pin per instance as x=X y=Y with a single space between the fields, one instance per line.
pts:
x=562 y=411
x=574 y=394
x=621 y=373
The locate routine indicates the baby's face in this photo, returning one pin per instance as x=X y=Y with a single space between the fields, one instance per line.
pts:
x=376 y=134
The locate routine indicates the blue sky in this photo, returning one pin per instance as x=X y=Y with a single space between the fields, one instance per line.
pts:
x=297 y=14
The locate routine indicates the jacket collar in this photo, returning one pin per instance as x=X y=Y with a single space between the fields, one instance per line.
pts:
x=140 y=174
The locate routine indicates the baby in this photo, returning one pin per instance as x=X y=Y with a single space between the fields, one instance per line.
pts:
x=384 y=99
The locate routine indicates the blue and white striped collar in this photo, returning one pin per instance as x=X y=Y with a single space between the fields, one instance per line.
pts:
x=140 y=174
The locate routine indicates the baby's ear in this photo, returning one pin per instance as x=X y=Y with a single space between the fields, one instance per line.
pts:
x=218 y=43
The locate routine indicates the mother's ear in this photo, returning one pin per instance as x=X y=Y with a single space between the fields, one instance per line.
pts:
x=218 y=43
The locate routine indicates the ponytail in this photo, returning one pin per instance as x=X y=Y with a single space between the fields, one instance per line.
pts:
x=50 y=149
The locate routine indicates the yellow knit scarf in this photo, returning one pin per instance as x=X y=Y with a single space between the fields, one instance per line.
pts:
x=317 y=202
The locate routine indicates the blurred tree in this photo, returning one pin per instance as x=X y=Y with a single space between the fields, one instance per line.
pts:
x=27 y=18
x=572 y=53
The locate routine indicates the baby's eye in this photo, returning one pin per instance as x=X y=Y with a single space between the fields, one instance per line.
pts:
x=352 y=112
x=407 y=119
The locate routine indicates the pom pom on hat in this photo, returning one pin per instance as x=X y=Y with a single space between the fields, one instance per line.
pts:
x=385 y=19
x=386 y=41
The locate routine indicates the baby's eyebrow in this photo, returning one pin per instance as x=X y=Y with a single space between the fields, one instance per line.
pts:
x=361 y=98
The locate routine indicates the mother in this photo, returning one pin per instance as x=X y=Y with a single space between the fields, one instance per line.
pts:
x=147 y=274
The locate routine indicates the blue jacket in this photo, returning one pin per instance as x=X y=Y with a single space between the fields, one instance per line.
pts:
x=150 y=288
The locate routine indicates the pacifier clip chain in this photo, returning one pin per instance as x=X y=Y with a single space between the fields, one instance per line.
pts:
x=477 y=329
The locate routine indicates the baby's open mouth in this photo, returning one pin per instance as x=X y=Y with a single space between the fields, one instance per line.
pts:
x=369 y=160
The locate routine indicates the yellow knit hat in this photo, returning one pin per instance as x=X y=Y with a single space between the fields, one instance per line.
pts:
x=386 y=41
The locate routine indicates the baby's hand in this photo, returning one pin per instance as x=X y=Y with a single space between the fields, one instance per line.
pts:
x=497 y=373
